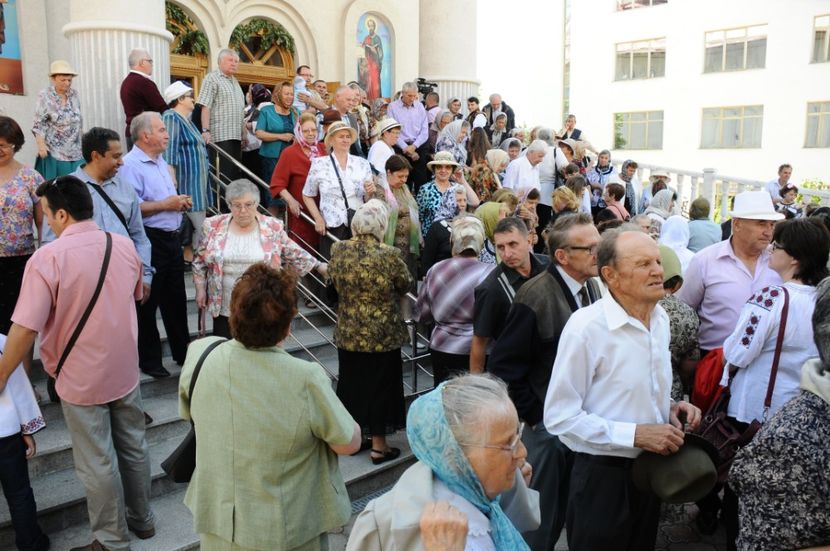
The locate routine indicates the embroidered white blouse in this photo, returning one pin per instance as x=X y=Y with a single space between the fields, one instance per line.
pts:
x=322 y=181
x=19 y=412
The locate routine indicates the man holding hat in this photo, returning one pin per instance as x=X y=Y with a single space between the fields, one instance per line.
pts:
x=608 y=398
x=138 y=91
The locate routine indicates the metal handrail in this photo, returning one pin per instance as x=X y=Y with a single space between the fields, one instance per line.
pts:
x=417 y=340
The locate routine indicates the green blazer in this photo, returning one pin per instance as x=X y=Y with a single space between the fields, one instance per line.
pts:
x=265 y=477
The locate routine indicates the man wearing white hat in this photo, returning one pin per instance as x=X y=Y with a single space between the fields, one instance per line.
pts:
x=138 y=91
x=721 y=278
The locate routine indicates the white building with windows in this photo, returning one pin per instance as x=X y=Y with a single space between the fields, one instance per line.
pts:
x=739 y=85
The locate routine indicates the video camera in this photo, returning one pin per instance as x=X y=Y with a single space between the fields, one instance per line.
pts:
x=425 y=87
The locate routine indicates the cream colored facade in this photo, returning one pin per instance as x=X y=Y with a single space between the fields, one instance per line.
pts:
x=95 y=36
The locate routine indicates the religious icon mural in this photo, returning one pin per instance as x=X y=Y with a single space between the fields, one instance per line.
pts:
x=374 y=64
x=11 y=67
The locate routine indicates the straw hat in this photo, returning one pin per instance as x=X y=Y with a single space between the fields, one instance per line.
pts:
x=175 y=91
x=61 y=67
x=570 y=143
x=336 y=127
x=681 y=477
x=755 y=205
x=443 y=158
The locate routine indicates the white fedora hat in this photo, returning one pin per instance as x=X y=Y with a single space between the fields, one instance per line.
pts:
x=755 y=205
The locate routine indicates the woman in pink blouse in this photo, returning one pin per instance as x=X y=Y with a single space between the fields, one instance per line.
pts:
x=232 y=242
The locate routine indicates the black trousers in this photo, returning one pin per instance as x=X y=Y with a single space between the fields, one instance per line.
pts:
x=167 y=293
x=552 y=463
x=11 y=277
x=446 y=365
x=14 y=478
x=544 y=213
x=605 y=509
x=226 y=167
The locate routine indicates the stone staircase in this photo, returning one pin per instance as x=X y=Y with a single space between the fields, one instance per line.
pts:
x=60 y=496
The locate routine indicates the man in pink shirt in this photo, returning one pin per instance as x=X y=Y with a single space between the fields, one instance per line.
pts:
x=98 y=383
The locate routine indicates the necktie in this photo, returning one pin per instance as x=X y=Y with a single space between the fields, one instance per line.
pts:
x=584 y=298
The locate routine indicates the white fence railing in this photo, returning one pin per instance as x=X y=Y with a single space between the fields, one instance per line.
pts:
x=715 y=187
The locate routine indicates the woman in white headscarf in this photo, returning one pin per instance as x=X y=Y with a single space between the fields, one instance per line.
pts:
x=675 y=234
x=442 y=119
x=453 y=138
x=660 y=209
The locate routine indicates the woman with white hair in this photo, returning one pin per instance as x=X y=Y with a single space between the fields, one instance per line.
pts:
x=467 y=438
x=447 y=298
x=453 y=138
x=370 y=278
x=232 y=242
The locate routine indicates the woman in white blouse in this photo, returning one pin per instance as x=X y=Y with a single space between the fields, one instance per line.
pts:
x=388 y=130
x=799 y=255
x=342 y=181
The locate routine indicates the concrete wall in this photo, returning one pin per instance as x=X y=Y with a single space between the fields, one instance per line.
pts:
x=783 y=87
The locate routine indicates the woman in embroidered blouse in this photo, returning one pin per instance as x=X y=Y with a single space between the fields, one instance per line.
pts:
x=275 y=127
x=597 y=177
x=21 y=211
x=453 y=138
x=325 y=178
x=431 y=195
x=187 y=153
x=20 y=419
x=232 y=242
x=370 y=278
x=466 y=436
x=58 y=124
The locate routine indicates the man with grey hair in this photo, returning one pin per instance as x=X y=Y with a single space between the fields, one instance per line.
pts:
x=161 y=207
x=414 y=139
x=523 y=172
x=138 y=91
x=223 y=108
x=496 y=106
x=346 y=99
x=609 y=397
x=525 y=352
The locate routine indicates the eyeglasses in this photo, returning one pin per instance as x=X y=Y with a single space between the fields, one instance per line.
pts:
x=514 y=444
x=591 y=250
x=243 y=206
x=7 y=146
x=148 y=60
x=775 y=246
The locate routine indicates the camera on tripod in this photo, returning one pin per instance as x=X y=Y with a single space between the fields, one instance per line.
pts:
x=425 y=87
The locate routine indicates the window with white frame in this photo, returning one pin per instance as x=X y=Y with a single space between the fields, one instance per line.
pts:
x=641 y=59
x=634 y=4
x=736 y=49
x=821 y=39
x=818 y=124
x=732 y=127
x=638 y=130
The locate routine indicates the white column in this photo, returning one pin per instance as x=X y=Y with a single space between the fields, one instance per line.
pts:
x=448 y=48
x=101 y=34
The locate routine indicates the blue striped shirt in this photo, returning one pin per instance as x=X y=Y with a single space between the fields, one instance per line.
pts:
x=187 y=153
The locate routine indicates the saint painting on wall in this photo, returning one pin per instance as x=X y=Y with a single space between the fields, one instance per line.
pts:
x=374 y=68
x=11 y=67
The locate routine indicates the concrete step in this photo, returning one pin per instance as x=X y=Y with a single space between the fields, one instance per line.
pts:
x=62 y=513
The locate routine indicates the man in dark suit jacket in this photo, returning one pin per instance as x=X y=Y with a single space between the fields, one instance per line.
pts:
x=524 y=354
x=344 y=102
x=138 y=91
x=495 y=107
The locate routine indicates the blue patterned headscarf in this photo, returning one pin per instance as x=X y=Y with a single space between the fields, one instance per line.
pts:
x=433 y=443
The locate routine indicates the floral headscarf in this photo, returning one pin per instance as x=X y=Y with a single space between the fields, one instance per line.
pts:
x=434 y=444
x=448 y=141
x=309 y=148
x=371 y=218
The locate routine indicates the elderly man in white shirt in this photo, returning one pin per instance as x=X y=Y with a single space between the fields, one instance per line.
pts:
x=609 y=398
x=523 y=171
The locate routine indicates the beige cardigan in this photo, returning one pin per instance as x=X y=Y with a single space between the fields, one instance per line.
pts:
x=392 y=520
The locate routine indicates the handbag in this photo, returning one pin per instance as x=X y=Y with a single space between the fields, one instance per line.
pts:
x=349 y=211
x=708 y=374
x=50 y=381
x=181 y=463
x=722 y=431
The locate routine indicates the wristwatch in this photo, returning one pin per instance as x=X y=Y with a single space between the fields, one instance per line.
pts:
x=205 y=130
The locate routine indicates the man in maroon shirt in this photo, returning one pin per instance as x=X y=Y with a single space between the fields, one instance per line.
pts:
x=138 y=91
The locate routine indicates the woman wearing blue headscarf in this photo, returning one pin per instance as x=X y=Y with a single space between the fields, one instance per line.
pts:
x=467 y=459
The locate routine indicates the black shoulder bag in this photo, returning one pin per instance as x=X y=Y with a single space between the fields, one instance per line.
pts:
x=180 y=464
x=349 y=212
x=108 y=200
x=50 y=381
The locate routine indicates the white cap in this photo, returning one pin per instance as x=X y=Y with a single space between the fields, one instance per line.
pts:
x=176 y=90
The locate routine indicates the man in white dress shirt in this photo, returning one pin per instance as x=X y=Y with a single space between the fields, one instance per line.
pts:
x=523 y=172
x=608 y=398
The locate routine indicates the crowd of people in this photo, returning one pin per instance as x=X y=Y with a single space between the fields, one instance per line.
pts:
x=568 y=305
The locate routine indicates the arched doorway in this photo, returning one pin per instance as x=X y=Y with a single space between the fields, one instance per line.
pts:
x=266 y=52
x=189 y=49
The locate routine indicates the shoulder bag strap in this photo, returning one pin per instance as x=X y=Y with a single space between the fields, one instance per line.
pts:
x=340 y=181
x=198 y=367
x=100 y=191
x=90 y=306
x=779 y=343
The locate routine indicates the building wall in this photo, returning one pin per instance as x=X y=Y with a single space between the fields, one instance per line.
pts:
x=783 y=87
